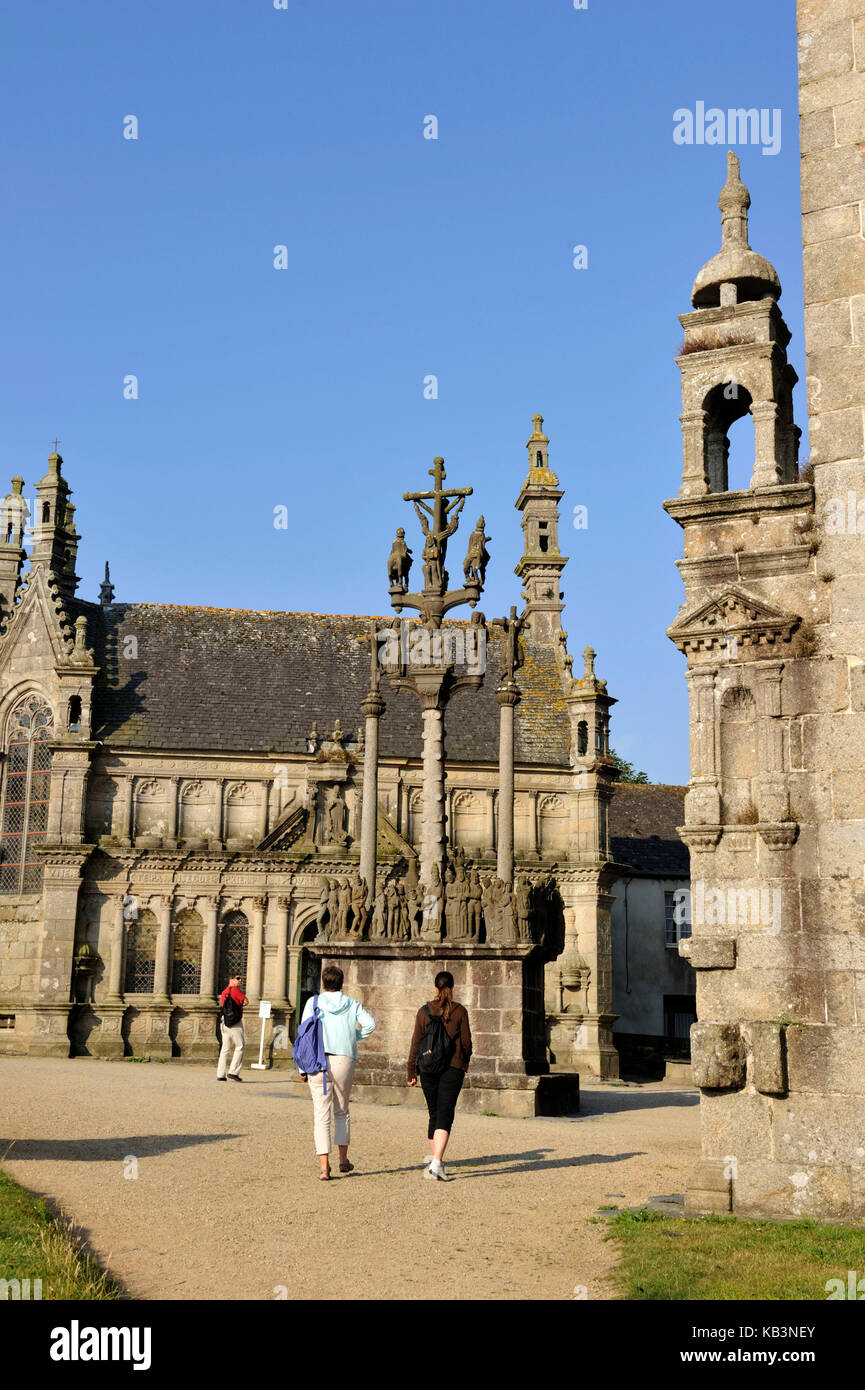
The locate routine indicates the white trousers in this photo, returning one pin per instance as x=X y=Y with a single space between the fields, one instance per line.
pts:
x=231 y=1037
x=330 y=1112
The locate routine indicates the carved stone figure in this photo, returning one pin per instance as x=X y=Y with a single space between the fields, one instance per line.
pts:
x=523 y=908
x=433 y=896
x=392 y=906
x=323 y=917
x=332 y=907
x=334 y=819
x=343 y=909
x=499 y=913
x=378 y=926
x=477 y=556
x=399 y=562
x=359 y=908
x=432 y=563
x=403 y=920
x=474 y=908
x=458 y=903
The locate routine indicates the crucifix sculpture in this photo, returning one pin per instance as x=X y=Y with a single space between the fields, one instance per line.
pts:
x=429 y=670
x=438 y=512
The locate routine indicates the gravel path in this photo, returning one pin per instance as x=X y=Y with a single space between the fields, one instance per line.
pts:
x=226 y=1203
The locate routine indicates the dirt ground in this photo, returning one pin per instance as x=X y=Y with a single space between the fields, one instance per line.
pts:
x=226 y=1201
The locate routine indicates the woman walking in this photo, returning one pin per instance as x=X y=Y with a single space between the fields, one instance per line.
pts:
x=441 y=1048
x=344 y=1021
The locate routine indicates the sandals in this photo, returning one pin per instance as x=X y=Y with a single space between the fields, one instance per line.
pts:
x=324 y=1177
x=346 y=1167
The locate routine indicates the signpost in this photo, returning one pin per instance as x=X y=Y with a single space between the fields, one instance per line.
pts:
x=263 y=1013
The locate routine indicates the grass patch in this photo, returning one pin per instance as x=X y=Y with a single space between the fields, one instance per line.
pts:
x=722 y=1258
x=36 y=1245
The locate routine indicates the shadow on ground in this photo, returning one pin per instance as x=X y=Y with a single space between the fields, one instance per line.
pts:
x=104 y=1150
x=532 y=1161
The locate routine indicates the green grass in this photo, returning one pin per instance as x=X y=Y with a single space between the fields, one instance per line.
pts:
x=723 y=1258
x=36 y=1245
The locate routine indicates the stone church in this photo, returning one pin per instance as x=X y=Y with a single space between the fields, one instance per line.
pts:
x=184 y=794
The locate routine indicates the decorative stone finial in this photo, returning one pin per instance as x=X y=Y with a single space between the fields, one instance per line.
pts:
x=734 y=201
x=589 y=660
x=106 y=589
x=81 y=654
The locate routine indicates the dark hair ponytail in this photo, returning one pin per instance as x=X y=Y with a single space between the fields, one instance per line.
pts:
x=444 y=984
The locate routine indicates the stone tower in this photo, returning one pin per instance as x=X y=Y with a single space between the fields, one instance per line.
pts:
x=540 y=567
x=775 y=811
x=55 y=541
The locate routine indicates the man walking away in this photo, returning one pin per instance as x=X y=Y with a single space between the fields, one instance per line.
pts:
x=232 y=1001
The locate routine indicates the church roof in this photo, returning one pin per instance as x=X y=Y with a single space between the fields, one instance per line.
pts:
x=643 y=822
x=236 y=680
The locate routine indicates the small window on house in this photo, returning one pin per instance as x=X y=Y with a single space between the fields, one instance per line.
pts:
x=680 y=1011
x=7 y=1020
x=74 y=720
x=677 y=916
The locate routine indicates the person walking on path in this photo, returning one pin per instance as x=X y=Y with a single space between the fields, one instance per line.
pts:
x=231 y=1001
x=344 y=1023
x=441 y=1048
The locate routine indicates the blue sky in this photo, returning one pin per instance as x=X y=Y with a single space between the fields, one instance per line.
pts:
x=304 y=387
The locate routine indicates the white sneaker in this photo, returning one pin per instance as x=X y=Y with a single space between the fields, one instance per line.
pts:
x=436 y=1171
x=428 y=1160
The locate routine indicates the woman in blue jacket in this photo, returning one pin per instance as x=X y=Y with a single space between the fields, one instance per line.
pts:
x=344 y=1021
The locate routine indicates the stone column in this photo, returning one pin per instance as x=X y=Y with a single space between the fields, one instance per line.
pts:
x=220 y=810
x=163 y=953
x=694 y=480
x=432 y=825
x=171 y=827
x=253 y=986
x=209 y=982
x=372 y=710
x=767 y=469
x=121 y=811
x=115 y=969
x=491 y=819
x=284 y=908
x=508 y=698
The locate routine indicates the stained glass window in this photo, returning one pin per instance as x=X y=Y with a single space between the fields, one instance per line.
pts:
x=25 y=796
x=141 y=953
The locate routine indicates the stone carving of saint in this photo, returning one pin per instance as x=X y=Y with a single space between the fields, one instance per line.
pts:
x=343 y=909
x=391 y=909
x=399 y=562
x=477 y=556
x=474 y=904
x=335 y=820
x=499 y=913
x=378 y=927
x=433 y=895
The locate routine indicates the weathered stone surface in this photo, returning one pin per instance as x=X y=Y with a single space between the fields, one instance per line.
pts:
x=769 y=1058
x=716 y=1053
x=709 y=952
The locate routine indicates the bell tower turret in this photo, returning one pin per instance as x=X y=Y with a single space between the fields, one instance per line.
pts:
x=55 y=540
x=541 y=565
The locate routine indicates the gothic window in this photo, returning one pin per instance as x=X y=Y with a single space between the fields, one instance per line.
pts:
x=186 y=959
x=26 y=793
x=234 y=947
x=141 y=953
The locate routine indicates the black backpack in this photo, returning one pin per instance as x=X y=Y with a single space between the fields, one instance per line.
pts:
x=232 y=1012
x=436 y=1046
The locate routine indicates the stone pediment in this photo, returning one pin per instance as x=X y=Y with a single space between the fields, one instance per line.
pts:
x=730 y=615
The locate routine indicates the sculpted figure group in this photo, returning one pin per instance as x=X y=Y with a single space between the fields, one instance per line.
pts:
x=475 y=907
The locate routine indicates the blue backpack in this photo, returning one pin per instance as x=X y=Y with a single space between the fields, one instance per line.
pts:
x=308 y=1053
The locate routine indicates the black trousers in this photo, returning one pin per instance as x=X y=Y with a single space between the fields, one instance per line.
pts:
x=441 y=1093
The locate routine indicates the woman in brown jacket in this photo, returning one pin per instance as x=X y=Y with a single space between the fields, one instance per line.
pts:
x=441 y=1089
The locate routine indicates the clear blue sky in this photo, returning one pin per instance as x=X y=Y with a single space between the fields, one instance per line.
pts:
x=407 y=256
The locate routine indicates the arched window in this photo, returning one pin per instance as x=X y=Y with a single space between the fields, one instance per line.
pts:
x=141 y=953
x=582 y=738
x=25 y=795
x=724 y=405
x=46 y=512
x=186 y=961
x=74 y=718
x=233 y=947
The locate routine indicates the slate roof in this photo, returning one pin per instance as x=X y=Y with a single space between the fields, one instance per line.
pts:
x=234 y=680
x=642 y=826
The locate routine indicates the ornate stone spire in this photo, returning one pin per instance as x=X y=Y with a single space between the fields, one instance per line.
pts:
x=734 y=201
x=737 y=274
